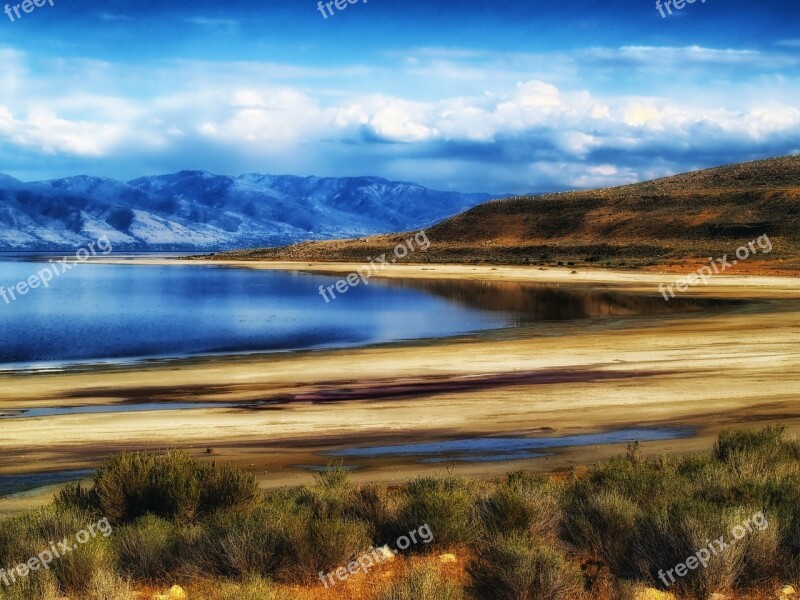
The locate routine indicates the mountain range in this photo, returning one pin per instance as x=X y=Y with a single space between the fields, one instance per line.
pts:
x=197 y=210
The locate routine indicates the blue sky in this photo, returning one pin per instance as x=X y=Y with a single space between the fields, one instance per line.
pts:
x=479 y=96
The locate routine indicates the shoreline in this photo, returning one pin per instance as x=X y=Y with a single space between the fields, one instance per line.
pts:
x=704 y=371
x=632 y=281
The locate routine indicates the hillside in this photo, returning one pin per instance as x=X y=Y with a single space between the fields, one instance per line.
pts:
x=671 y=220
x=196 y=210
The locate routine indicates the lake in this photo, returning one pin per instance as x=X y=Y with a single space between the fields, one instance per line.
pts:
x=120 y=313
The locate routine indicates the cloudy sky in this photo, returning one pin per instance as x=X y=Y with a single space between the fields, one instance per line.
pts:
x=497 y=96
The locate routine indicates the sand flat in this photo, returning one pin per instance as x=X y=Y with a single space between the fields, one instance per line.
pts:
x=702 y=371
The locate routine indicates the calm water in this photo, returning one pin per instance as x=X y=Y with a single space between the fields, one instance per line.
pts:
x=20 y=485
x=95 y=313
x=498 y=449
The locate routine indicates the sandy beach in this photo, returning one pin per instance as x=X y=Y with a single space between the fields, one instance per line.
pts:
x=701 y=371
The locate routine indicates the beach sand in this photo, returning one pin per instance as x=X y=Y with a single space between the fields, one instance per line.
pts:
x=703 y=371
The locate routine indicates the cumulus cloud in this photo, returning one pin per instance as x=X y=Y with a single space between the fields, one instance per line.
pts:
x=43 y=130
x=525 y=132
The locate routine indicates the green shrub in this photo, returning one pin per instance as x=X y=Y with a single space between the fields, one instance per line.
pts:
x=650 y=484
x=171 y=485
x=521 y=505
x=225 y=487
x=514 y=567
x=446 y=504
x=324 y=544
x=26 y=535
x=325 y=501
x=41 y=585
x=732 y=442
x=603 y=523
x=762 y=555
x=147 y=548
x=76 y=497
x=29 y=533
x=76 y=570
x=379 y=507
x=334 y=477
x=242 y=545
x=422 y=582
x=790 y=547
x=106 y=585
x=756 y=453
x=665 y=540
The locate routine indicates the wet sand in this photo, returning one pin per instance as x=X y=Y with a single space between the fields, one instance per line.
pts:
x=702 y=371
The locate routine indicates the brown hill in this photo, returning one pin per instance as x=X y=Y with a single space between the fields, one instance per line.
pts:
x=674 y=220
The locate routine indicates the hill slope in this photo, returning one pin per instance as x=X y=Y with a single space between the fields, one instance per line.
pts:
x=694 y=215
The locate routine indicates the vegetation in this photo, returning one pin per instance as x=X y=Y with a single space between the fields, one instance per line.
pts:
x=599 y=533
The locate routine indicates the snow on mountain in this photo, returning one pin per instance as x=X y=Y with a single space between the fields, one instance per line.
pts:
x=197 y=210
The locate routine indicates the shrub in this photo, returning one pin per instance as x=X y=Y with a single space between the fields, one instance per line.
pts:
x=762 y=554
x=41 y=585
x=650 y=484
x=669 y=538
x=323 y=544
x=76 y=570
x=446 y=504
x=422 y=582
x=106 y=585
x=223 y=487
x=514 y=567
x=379 y=507
x=521 y=505
x=170 y=485
x=756 y=453
x=75 y=496
x=242 y=545
x=147 y=548
x=334 y=477
x=332 y=496
x=732 y=442
x=28 y=534
x=604 y=523
x=790 y=546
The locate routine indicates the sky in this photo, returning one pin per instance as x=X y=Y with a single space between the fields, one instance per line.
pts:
x=502 y=97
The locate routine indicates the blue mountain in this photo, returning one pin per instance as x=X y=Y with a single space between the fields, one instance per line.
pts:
x=197 y=210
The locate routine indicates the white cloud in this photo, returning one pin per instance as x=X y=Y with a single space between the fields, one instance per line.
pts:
x=529 y=129
x=43 y=130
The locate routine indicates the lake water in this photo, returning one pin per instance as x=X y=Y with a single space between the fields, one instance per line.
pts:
x=500 y=449
x=95 y=313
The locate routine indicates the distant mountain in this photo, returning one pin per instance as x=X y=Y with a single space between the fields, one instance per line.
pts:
x=196 y=210
x=691 y=216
